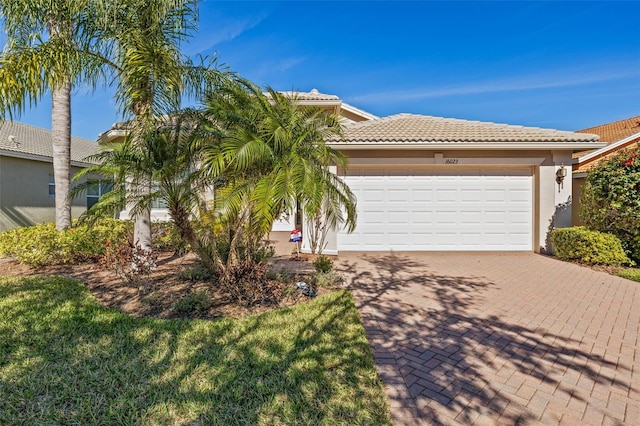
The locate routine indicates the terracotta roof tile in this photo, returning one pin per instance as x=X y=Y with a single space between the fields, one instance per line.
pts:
x=613 y=132
x=406 y=128
x=25 y=139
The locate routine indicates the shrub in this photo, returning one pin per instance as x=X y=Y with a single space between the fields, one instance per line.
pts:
x=247 y=283
x=592 y=247
x=327 y=279
x=42 y=245
x=196 y=273
x=198 y=301
x=165 y=236
x=283 y=275
x=128 y=261
x=323 y=264
x=611 y=199
x=630 y=274
x=259 y=253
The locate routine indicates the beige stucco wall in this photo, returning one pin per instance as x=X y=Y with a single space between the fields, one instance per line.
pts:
x=24 y=193
x=552 y=201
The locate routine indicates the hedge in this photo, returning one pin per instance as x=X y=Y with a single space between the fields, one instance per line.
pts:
x=591 y=247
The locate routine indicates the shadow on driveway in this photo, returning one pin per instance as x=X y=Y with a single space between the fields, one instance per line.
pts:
x=446 y=356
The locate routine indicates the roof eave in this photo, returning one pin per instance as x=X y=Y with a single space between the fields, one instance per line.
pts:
x=111 y=135
x=357 y=111
x=41 y=158
x=467 y=145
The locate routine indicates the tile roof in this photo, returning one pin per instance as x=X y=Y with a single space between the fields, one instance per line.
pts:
x=615 y=131
x=25 y=139
x=407 y=128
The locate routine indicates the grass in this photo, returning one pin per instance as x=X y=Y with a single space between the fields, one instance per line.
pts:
x=630 y=274
x=64 y=359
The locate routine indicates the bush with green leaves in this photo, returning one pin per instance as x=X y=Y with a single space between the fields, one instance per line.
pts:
x=42 y=244
x=591 y=247
x=165 y=236
x=611 y=199
x=323 y=264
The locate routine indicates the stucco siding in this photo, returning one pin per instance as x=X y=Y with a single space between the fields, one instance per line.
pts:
x=24 y=193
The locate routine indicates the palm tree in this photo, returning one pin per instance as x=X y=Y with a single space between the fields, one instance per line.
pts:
x=168 y=158
x=153 y=76
x=272 y=157
x=50 y=48
x=260 y=155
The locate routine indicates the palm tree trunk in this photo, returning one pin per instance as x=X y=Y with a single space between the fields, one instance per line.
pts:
x=61 y=135
x=180 y=218
x=142 y=222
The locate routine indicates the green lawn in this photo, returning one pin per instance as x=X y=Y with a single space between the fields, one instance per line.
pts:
x=64 y=359
x=630 y=274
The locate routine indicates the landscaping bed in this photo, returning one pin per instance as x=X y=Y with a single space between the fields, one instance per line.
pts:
x=162 y=291
x=118 y=358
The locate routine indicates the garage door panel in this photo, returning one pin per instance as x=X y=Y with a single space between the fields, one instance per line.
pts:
x=441 y=209
x=520 y=195
x=399 y=217
x=422 y=195
x=374 y=195
x=445 y=217
x=422 y=217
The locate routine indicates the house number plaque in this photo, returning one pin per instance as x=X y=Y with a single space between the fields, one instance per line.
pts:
x=451 y=161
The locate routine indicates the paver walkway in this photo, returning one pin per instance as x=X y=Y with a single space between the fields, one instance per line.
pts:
x=499 y=338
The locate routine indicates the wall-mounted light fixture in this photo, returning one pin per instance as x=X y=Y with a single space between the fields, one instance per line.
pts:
x=561 y=173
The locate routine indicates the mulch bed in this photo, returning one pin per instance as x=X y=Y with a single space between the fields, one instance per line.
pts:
x=156 y=295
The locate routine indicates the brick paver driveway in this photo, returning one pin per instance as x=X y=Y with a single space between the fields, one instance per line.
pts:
x=499 y=338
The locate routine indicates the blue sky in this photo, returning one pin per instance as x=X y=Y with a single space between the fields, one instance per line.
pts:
x=565 y=65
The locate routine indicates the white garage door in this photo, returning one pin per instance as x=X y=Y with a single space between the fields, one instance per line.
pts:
x=441 y=209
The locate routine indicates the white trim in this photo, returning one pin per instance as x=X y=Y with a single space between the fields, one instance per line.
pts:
x=578 y=175
x=607 y=148
x=357 y=111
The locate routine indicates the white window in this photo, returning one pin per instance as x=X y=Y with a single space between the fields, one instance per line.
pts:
x=52 y=187
x=97 y=190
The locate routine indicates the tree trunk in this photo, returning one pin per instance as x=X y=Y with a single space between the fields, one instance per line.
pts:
x=61 y=135
x=180 y=218
x=142 y=222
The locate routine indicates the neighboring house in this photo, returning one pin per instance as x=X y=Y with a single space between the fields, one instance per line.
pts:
x=430 y=183
x=27 y=188
x=619 y=135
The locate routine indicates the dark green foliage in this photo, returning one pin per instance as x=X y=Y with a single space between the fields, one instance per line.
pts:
x=592 y=247
x=323 y=264
x=611 y=199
